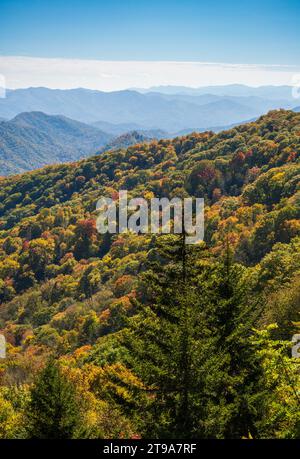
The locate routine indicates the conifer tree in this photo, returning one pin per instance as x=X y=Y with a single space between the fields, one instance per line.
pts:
x=169 y=342
x=232 y=312
x=191 y=346
x=53 y=411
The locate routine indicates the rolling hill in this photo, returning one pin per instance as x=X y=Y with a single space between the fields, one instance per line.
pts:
x=134 y=137
x=32 y=140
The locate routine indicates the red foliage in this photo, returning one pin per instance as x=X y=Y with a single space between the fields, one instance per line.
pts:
x=292 y=156
x=238 y=159
x=87 y=227
x=25 y=245
x=207 y=174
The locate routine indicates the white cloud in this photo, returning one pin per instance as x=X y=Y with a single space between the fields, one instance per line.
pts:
x=22 y=72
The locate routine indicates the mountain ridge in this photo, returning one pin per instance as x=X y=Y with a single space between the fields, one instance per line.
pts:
x=34 y=139
x=151 y=110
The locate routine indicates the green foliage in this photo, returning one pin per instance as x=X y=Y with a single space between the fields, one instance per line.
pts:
x=280 y=407
x=54 y=410
x=190 y=345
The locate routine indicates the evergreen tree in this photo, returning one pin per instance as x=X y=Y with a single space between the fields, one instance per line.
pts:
x=191 y=345
x=235 y=390
x=53 y=411
x=169 y=342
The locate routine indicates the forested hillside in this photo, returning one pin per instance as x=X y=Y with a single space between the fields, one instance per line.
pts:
x=33 y=140
x=133 y=137
x=153 y=338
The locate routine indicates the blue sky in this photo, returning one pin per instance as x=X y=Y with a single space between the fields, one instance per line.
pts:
x=116 y=44
x=257 y=32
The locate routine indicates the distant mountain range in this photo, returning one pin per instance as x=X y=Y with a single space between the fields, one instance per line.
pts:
x=236 y=90
x=32 y=140
x=116 y=129
x=166 y=108
x=40 y=126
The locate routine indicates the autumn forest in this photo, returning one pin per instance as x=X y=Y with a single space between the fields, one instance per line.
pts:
x=143 y=335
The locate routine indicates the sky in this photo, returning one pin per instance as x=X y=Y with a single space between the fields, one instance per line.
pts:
x=116 y=44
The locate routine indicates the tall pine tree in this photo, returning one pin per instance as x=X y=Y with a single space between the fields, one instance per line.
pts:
x=169 y=341
x=54 y=410
x=234 y=390
x=190 y=345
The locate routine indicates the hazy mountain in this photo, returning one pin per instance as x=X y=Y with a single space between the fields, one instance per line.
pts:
x=116 y=129
x=253 y=102
x=32 y=140
x=155 y=133
x=123 y=111
x=134 y=137
x=240 y=90
x=215 y=129
x=296 y=109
